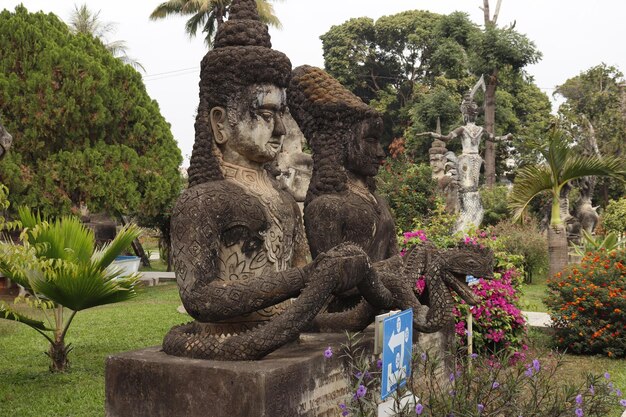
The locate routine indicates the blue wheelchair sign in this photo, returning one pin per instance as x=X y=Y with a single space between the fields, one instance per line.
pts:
x=397 y=349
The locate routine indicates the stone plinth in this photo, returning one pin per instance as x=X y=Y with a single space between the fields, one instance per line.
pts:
x=296 y=380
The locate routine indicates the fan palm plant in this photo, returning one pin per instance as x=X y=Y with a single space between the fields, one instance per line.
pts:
x=63 y=271
x=207 y=15
x=562 y=165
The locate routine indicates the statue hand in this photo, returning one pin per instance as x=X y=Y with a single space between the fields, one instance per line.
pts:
x=347 y=262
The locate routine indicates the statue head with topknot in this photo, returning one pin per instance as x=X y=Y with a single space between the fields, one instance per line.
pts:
x=343 y=132
x=242 y=97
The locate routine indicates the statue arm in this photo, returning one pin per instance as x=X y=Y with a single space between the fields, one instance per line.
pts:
x=453 y=134
x=491 y=138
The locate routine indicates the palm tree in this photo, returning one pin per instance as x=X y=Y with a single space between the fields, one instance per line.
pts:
x=209 y=14
x=87 y=22
x=60 y=267
x=562 y=165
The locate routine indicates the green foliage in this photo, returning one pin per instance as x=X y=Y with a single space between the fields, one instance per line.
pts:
x=592 y=243
x=409 y=189
x=614 y=216
x=587 y=303
x=494 y=201
x=527 y=241
x=84 y=128
x=58 y=264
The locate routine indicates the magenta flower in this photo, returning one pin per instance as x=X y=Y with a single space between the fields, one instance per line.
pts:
x=328 y=353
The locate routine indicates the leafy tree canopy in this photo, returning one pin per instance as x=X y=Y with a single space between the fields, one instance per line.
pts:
x=415 y=66
x=84 y=128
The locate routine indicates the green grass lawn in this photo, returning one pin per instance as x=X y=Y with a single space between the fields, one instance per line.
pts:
x=533 y=294
x=28 y=389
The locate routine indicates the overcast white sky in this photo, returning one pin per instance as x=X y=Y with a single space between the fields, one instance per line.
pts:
x=573 y=35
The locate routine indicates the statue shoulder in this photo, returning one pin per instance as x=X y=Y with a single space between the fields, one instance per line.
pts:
x=326 y=205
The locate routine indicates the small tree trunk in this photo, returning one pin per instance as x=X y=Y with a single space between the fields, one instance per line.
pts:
x=557 y=248
x=58 y=356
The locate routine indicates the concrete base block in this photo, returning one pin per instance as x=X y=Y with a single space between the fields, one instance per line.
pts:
x=296 y=380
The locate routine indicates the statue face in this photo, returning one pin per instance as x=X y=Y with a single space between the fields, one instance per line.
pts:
x=256 y=128
x=364 y=154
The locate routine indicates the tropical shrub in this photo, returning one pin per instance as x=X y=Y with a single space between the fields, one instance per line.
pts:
x=614 y=216
x=587 y=304
x=64 y=273
x=409 y=189
x=525 y=240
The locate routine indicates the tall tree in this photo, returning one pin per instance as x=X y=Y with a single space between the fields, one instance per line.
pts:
x=207 y=15
x=84 y=21
x=594 y=106
x=85 y=130
x=493 y=50
x=561 y=165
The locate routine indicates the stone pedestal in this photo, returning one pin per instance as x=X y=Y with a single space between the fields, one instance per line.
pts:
x=296 y=380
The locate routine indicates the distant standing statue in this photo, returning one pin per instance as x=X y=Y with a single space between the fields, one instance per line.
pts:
x=237 y=238
x=5 y=141
x=469 y=162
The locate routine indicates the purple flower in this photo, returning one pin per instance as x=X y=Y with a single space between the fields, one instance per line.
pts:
x=618 y=392
x=358 y=375
x=529 y=372
x=474 y=355
x=423 y=356
x=536 y=365
x=579 y=412
x=419 y=408
x=495 y=385
x=379 y=363
x=344 y=413
x=592 y=390
x=451 y=378
x=622 y=403
x=480 y=408
x=607 y=375
x=343 y=406
x=328 y=353
x=367 y=375
x=579 y=399
x=452 y=393
x=360 y=392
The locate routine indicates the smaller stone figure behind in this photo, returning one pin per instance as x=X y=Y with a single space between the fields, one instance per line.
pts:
x=342 y=206
x=5 y=141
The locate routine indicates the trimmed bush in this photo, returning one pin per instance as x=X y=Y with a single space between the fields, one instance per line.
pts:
x=587 y=303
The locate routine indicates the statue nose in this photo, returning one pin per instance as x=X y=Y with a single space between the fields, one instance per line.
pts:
x=279 y=126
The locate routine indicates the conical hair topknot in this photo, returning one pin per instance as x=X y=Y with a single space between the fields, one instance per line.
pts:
x=243 y=27
x=314 y=94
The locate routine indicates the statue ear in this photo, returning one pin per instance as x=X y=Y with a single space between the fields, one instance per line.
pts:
x=219 y=125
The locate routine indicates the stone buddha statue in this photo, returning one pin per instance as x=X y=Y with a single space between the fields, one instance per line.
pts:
x=238 y=241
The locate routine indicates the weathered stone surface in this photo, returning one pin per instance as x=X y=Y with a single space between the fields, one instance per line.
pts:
x=295 y=380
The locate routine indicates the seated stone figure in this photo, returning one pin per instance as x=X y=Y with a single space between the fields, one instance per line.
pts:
x=5 y=141
x=238 y=240
x=342 y=206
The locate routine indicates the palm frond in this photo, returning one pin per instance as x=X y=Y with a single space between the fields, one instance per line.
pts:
x=529 y=183
x=196 y=21
x=267 y=14
x=9 y=314
x=578 y=166
x=103 y=257
x=168 y=8
x=84 y=286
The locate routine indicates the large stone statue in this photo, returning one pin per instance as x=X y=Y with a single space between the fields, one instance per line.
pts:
x=5 y=141
x=343 y=206
x=468 y=163
x=238 y=241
